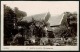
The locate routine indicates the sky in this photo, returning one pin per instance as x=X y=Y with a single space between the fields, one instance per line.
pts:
x=36 y=7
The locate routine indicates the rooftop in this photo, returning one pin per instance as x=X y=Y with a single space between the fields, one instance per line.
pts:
x=37 y=17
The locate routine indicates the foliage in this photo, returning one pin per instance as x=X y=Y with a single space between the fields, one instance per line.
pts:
x=70 y=21
x=9 y=19
x=19 y=14
x=10 y=22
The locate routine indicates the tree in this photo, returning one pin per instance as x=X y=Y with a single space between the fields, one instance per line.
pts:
x=9 y=22
x=70 y=21
x=19 y=14
x=9 y=19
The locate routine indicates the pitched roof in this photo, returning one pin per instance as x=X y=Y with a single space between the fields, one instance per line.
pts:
x=38 y=17
x=55 y=20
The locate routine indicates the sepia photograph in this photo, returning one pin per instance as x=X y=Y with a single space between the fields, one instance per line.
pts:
x=39 y=25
